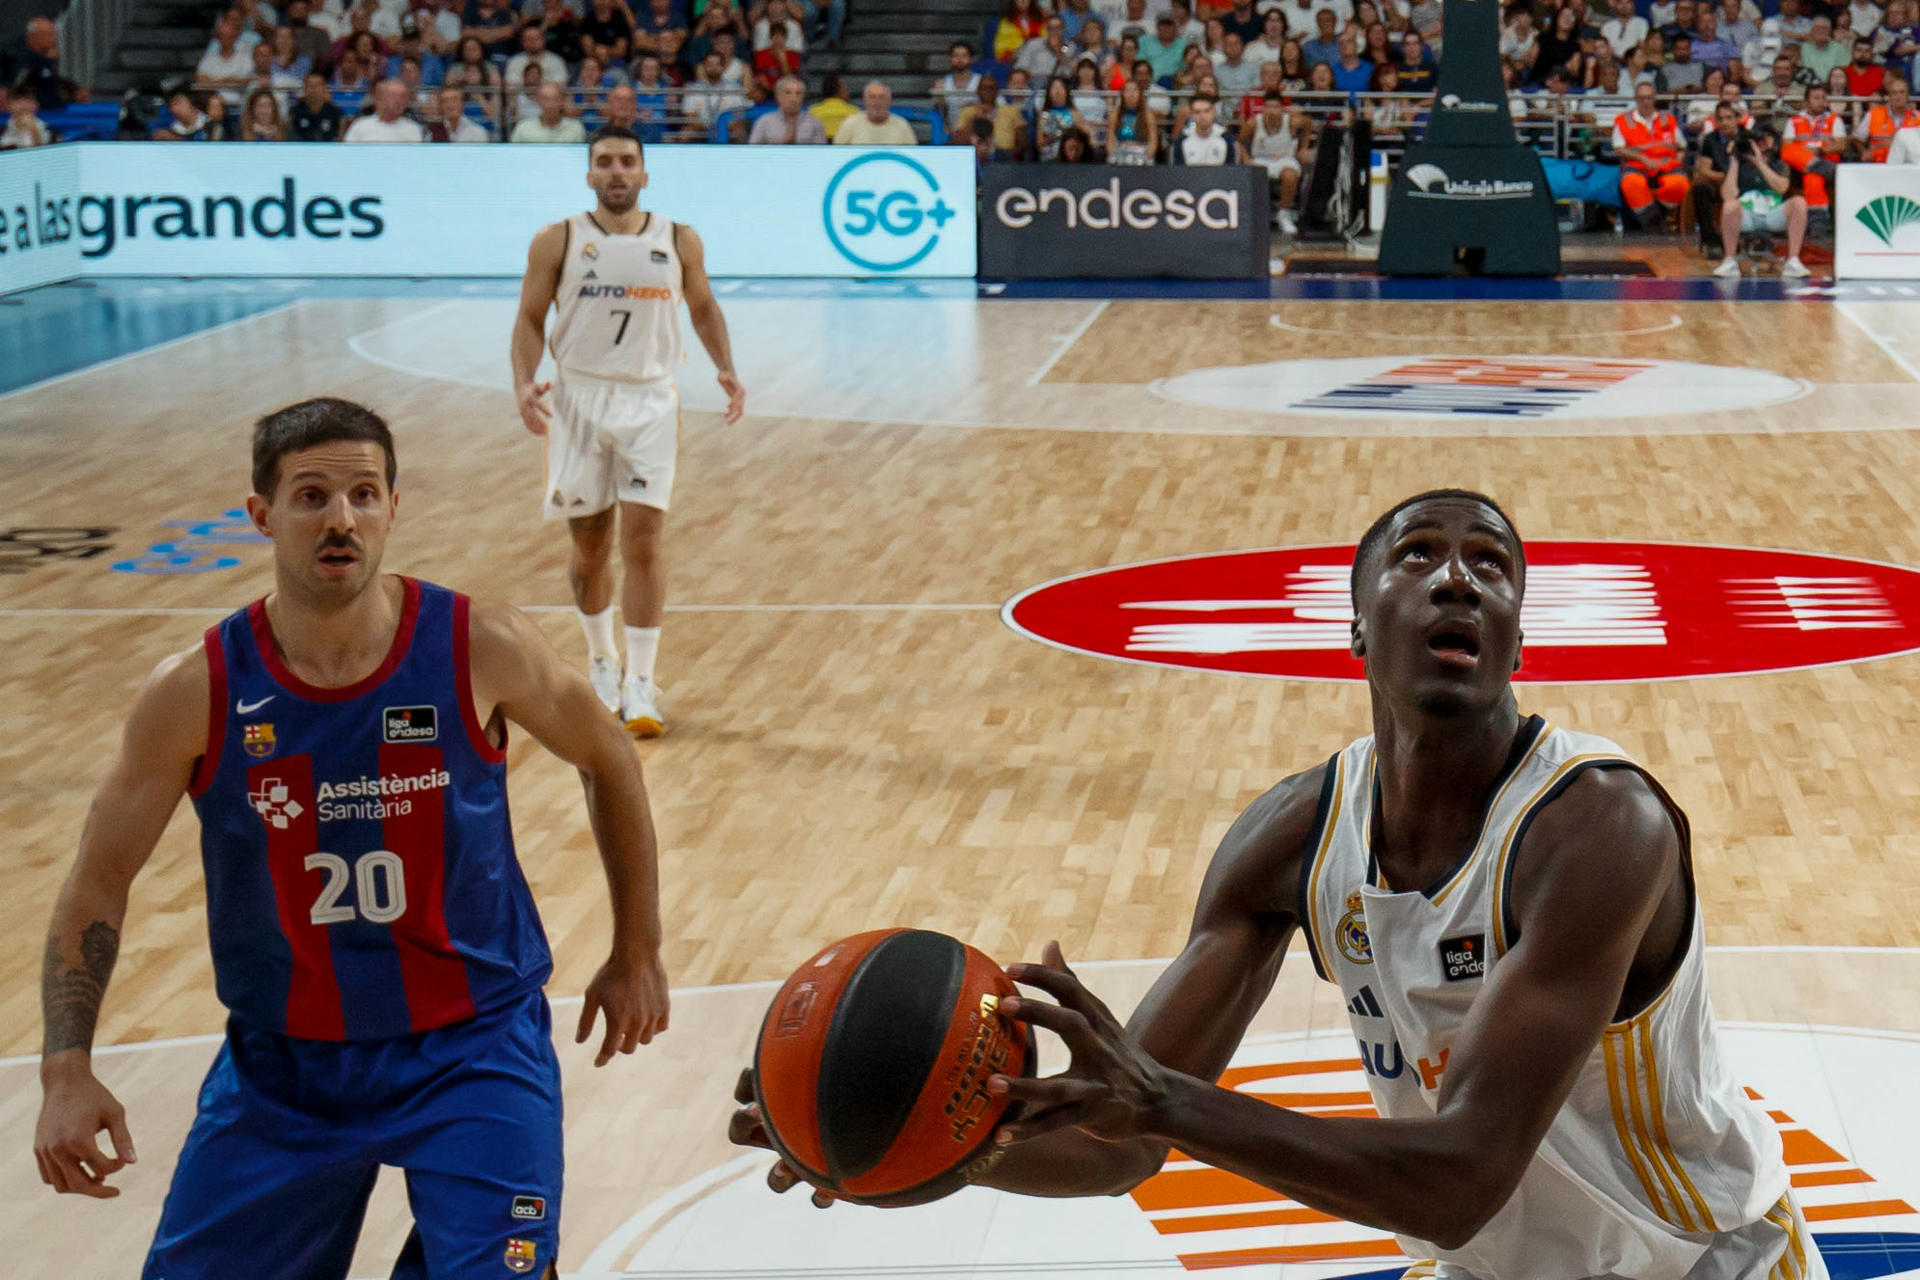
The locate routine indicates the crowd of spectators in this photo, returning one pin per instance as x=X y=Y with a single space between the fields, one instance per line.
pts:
x=465 y=70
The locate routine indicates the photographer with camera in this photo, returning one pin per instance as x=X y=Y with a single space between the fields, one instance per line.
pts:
x=1761 y=192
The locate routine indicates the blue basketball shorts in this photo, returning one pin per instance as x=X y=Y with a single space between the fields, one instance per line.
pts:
x=276 y=1171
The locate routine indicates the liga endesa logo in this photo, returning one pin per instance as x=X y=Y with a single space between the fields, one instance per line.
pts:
x=1594 y=611
x=1113 y=207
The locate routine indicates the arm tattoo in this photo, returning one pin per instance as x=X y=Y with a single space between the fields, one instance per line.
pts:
x=70 y=997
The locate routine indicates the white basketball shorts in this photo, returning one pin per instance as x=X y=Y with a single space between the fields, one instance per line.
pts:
x=610 y=442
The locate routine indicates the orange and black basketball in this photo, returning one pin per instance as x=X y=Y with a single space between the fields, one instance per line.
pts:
x=873 y=1063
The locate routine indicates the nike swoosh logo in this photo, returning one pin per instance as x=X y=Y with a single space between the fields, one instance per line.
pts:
x=248 y=708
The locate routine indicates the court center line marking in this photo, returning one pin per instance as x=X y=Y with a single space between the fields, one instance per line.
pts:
x=1885 y=344
x=1067 y=341
x=168 y=345
x=409 y=321
x=213 y=611
x=1553 y=335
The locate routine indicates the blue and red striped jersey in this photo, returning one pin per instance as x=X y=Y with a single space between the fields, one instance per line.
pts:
x=361 y=876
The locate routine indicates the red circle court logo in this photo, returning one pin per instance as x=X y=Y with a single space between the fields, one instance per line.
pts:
x=1595 y=611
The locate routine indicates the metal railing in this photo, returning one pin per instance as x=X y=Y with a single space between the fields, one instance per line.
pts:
x=89 y=30
x=1572 y=126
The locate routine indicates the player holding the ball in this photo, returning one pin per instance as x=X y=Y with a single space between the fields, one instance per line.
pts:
x=1509 y=909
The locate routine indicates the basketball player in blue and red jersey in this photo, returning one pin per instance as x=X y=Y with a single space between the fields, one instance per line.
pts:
x=614 y=279
x=344 y=744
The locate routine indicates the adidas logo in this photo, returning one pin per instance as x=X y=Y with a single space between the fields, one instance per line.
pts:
x=591 y=275
x=1364 y=1005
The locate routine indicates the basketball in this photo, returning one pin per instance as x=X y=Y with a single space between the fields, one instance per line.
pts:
x=873 y=1061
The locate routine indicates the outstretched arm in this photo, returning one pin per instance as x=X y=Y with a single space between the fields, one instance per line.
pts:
x=544 y=259
x=1596 y=866
x=1193 y=1018
x=704 y=310
x=165 y=733
x=516 y=672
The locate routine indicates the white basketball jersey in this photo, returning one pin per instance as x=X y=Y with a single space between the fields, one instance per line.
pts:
x=1278 y=145
x=617 y=310
x=1656 y=1149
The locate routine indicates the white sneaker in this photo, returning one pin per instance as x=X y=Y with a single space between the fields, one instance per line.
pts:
x=1729 y=269
x=1795 y=269
x=639 y=709
x=605 y=677
x=1287 y=224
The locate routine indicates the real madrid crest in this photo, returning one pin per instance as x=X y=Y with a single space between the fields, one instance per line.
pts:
x=1350 y=935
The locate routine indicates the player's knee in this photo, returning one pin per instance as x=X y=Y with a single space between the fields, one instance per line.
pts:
x=640 y=547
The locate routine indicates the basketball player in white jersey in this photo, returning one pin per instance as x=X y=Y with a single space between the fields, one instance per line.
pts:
x=1509 y=909
x=615 y=279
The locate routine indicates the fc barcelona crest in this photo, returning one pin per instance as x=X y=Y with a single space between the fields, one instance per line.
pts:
x=521 y=1255
x=258 y=740
x=1351 y=933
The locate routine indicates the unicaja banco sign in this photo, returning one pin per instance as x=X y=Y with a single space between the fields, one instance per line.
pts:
x=1430 y=182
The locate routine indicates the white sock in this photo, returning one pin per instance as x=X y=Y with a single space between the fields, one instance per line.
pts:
x=599 y=630
x=643 y=646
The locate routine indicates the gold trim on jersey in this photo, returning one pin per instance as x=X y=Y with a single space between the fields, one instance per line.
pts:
x=1320 y=856
x=1662 y=1145
x=1540 y=793
x=1793 y=1257
x=1627 y=1047
x=1440 y=896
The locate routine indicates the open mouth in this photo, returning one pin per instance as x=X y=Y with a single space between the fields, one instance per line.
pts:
x=338 y=558
x=1457 y=643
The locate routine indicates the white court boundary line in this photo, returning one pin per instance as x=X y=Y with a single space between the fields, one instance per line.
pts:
x=1544 y=335
x=1067 y=341
x=770 y=984
x=127 y=356
x=1885 y=344
x=1266 y=426
x=209 y=611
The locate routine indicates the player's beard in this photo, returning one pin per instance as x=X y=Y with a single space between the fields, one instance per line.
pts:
x=619 y=204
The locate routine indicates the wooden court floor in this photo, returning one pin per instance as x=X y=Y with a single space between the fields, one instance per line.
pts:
x=857 y=740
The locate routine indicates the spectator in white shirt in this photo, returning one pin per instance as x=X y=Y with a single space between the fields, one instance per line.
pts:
x=455 y=125
x=226 y=67
x=779 y=11
x=1866 y=16
x=956 y=90
x=1203 y=142
x=708 y=94
x=1045 y=55
x=389 y=122
x=1625 y=30
x=553 y=124
x=1905 y=148
x=1273 y=38
x=733 y=72
x=25 y=128
x=877 y=126
x=791 y=124
x=533 y=49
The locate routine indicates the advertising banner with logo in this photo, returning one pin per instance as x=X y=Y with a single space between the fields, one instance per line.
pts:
x=1876 y=222
x=1115 y=222
x=288 y=209
x=1469 y=184
x=39 y=243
